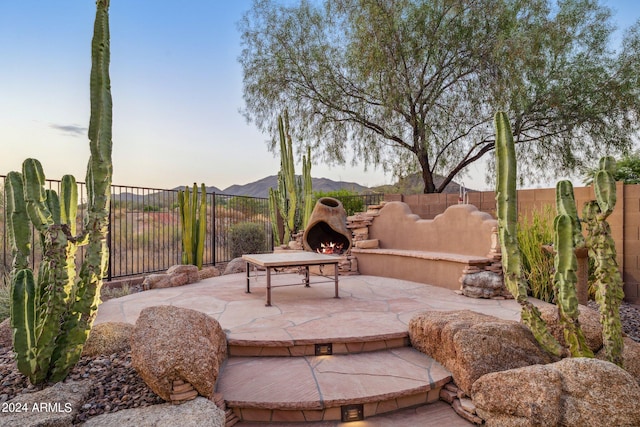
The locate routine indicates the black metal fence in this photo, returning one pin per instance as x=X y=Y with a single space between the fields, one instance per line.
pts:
x=144 y=227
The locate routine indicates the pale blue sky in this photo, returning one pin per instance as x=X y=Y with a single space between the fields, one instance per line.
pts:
x=176 y=85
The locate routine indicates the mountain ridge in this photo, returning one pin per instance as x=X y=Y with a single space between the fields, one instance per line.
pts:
x=411 y=184
x=260 y=188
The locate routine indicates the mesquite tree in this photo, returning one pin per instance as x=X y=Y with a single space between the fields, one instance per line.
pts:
x=412 y=85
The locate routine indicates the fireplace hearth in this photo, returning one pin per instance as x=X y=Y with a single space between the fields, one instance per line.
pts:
x=327 y=231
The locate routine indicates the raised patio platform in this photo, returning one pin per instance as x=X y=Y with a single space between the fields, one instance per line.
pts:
x=371 y=363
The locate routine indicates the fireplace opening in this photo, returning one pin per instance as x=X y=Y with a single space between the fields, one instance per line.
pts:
x=327 y=230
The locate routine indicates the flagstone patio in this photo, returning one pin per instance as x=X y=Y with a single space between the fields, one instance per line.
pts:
x=273 y=373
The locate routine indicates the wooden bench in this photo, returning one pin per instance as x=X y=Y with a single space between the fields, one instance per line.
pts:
x=437 y=252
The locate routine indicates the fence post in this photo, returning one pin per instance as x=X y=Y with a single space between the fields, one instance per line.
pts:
x=110 y=241
x=213 y=228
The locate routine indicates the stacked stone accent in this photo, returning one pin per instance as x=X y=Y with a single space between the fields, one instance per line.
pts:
x=486 y=280
x=181 y=392
x=359 y=224
x=231 y=418
x=461 y=404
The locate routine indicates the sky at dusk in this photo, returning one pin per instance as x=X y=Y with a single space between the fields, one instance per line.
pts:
x=176 y=87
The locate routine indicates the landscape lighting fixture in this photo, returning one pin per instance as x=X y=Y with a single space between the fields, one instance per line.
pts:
x=324 y=349
x=352 y=413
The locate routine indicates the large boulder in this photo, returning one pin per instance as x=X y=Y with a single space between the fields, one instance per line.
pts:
x=107 y=338
x=53 y=406
x=471 y=344
x=572 y=392
x=208 y=272
x=194 y=413
x=630 y=357
x=588 y=318
x=172 y=345
x=236 y=265
x=176 y=275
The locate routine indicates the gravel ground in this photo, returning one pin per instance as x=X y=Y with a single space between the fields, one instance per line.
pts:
x=116 y=385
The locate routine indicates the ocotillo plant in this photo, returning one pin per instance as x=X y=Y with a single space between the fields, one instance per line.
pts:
x=52 y=314
x=193 y=217
x=609 y=286
x=507 y=211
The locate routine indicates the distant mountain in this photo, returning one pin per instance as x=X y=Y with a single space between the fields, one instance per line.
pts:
x=261 y=187
x=412 y=184
x=150 y=197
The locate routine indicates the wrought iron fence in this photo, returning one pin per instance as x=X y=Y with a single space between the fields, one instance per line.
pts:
x=144 y=228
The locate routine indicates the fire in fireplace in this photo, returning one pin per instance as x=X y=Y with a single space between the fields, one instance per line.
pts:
x=327 y=231
x=330 y=248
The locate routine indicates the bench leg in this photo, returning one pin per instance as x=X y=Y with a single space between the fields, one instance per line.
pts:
x=306 y=276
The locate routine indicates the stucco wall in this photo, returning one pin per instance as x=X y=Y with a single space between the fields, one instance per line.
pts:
x=624 y=221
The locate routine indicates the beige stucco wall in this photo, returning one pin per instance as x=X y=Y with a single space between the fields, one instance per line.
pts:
x=460 y=230
x=624 y=221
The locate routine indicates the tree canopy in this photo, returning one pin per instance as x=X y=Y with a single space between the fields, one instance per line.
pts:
x=627 y=170
x=413 y=85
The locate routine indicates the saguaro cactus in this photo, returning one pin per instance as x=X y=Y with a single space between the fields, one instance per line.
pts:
x=53 y=312
x=609 y=285
x=193 y=217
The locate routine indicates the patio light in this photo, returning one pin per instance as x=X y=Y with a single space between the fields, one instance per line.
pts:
x=352 y=413
x=324 y=349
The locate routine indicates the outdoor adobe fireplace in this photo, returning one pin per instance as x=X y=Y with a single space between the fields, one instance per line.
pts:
x=327 y=230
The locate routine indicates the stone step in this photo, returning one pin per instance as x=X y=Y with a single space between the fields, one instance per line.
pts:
x=436 y=414
x=312 y=345
x=318 y=388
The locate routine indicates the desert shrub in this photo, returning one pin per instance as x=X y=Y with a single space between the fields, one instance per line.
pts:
x=5 y=300
x=247 y=238
x=108 y=292
x=534 y=232
x=351 y=200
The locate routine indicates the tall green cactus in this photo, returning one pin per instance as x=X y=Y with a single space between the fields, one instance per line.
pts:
x=274 y=215
x=565 y=281
x=292 y=200
x=566 y=205
x=307 y=188
x=609 y=285
x=289 y=198
x=193 y=217
x=53 y=312
x=568 y=237
x=507 y=212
